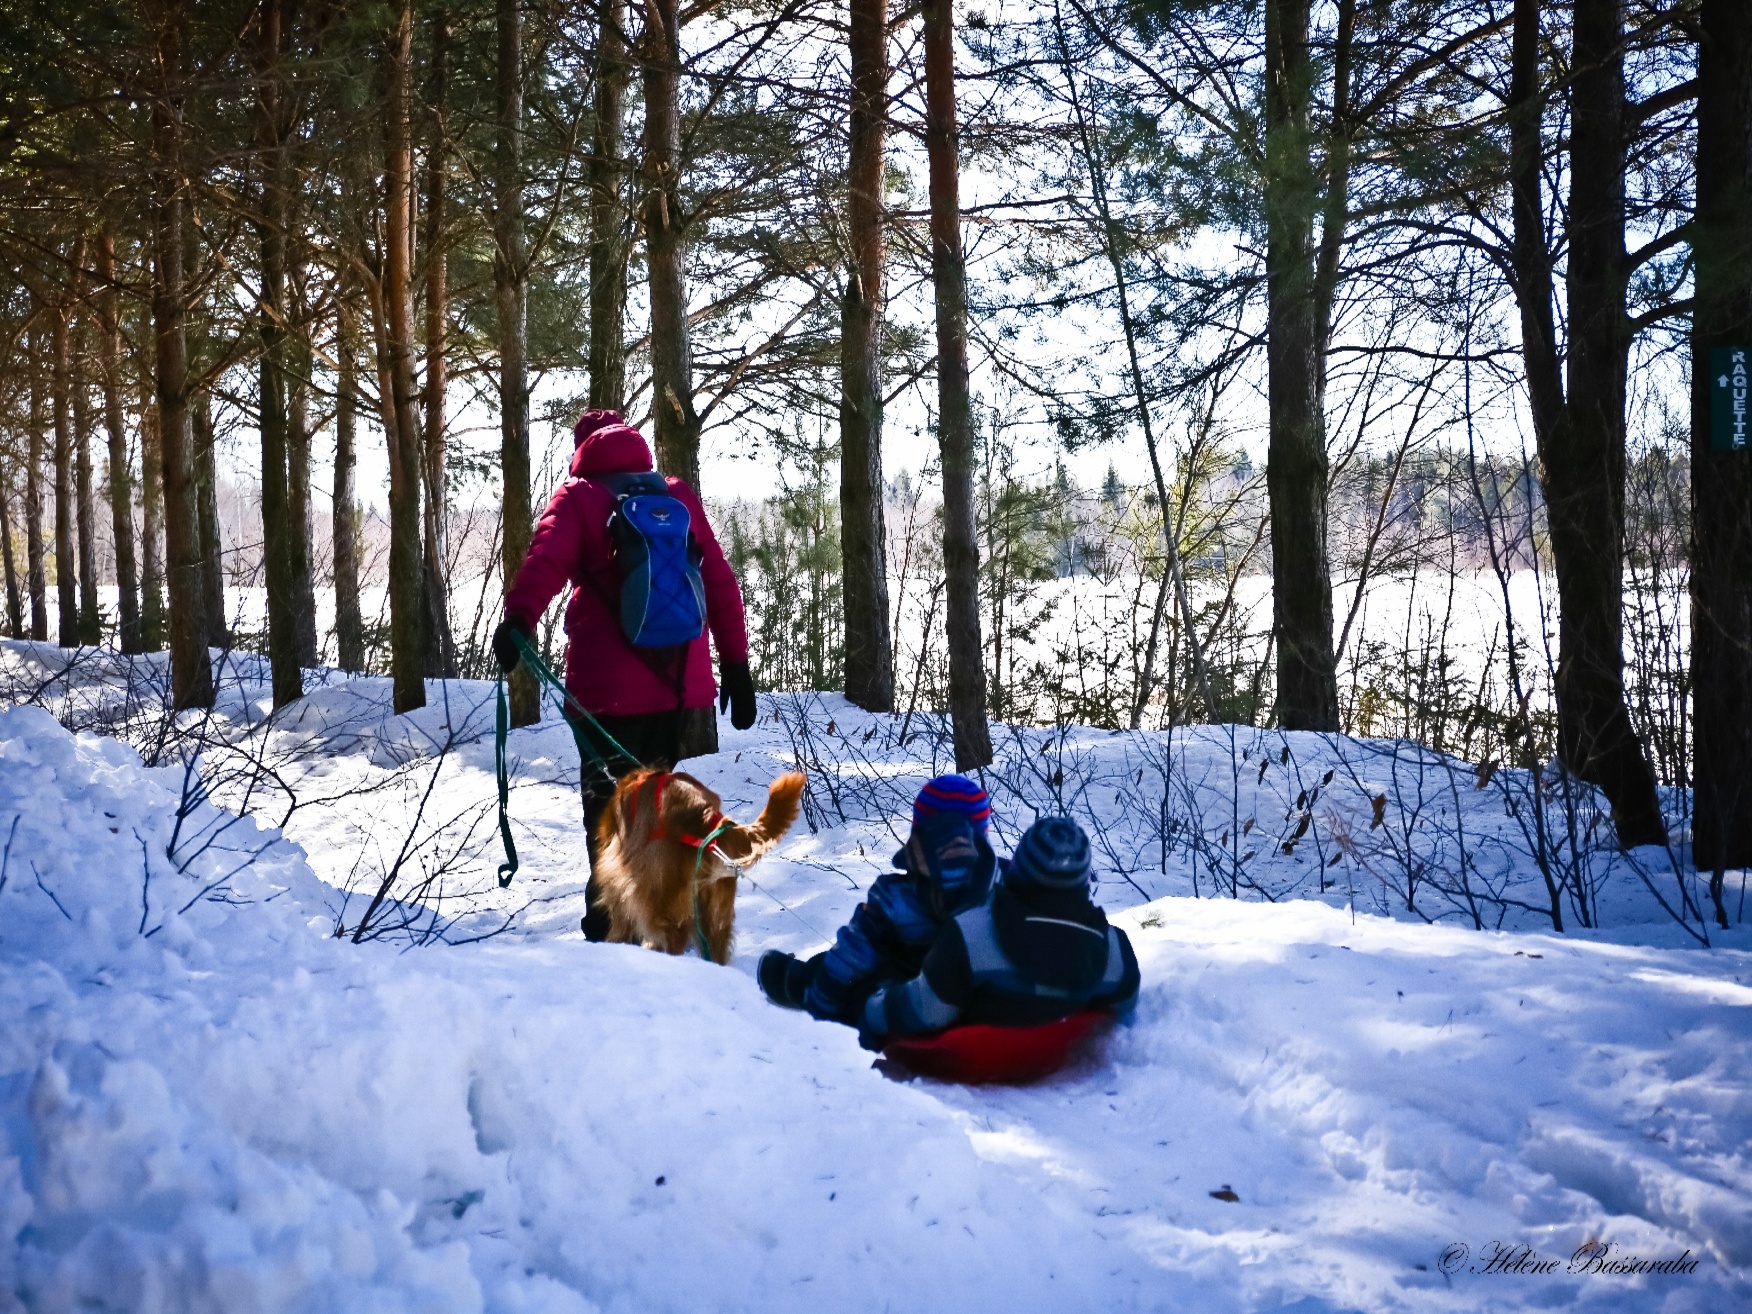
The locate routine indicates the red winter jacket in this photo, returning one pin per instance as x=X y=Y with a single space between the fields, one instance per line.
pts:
x=604 y=672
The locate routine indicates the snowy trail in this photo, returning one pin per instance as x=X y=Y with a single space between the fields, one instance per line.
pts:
x=239 y=1112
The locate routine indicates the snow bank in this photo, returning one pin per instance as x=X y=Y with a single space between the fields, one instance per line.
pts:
x=230 y=1111
x=207 y=1103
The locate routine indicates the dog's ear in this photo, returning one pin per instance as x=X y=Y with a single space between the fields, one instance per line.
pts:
x=629 y=792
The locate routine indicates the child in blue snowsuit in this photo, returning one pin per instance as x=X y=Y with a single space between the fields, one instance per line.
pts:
x=947 y=866
x=1040 y=949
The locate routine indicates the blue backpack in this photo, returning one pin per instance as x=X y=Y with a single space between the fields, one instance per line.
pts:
x=650 y=537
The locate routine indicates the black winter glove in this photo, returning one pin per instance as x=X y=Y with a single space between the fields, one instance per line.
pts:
x=782 y=978
x=505 y=644
x=736 y=691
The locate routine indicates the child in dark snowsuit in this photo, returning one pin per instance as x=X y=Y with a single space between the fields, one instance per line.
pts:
x=946 y=866
x=1039 y=950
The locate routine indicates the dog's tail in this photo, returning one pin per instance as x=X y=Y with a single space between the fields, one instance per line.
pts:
x=743 y=845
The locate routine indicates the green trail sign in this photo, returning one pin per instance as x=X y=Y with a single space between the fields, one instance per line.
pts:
x=1730 y=399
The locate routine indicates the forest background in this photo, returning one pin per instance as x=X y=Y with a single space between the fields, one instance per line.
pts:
x=1324 y=366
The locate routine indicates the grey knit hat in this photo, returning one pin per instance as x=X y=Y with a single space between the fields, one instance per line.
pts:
x=1053 y=854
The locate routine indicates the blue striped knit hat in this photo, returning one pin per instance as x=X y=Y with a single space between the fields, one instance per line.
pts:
x=1054 y=854
x=953 y=795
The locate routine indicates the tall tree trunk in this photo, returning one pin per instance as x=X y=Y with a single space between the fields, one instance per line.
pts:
x=121 y=483
x=441 y=651
x=1296 y=465
x=863 y=536
x=349 y=620
x=608 y=241
x=35 y=575
x=676 y=422
x=1581 y=437
x=90 y=616
x=61 y=397
x=511 y=299
x=1721 y=479
x=298 y=504
x=14 y=601
x=300 y=365
x=191 y=672
x=204 y=470
x=278 y=565
x=153 y=622
x=1585 y=483
x=973 y=745
x=206 y=476
x=402 y=420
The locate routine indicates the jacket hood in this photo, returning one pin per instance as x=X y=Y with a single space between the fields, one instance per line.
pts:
x=1057 y=938
x=607 y=444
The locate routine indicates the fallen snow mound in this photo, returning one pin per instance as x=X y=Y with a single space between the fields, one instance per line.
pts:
x=208 y=1103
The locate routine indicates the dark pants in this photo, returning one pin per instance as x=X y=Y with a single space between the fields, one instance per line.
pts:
x=654 y=739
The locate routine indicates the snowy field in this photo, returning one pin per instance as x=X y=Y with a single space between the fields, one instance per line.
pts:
x=209 y=1102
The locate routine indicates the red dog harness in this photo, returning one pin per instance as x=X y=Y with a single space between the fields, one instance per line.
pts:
x=699 y=843
x=715 y=822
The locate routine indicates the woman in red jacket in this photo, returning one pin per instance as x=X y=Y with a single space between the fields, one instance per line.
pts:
x=638 y=700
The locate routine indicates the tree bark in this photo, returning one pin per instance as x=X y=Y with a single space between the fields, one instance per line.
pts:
x=967 y=713
x=349 y=620
x=60 y=397
x=1296 y=464
x=676 y=422
x=153 y=622
x=299 y=511
x=278 y=567
x=608 y=241
x=1721 y=480
x=863 y=535
x=206 y=477
x=191 y=672
x=14 y=601
x=511 y=300
x=441 y=647
x=1581 y=436
x=121 y=482
x=36 y=576
x=204 y=465
x=401 y=417
x=90 y=615
x=300 y=362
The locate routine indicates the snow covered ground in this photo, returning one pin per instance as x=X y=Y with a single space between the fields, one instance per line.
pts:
x=208 y=1102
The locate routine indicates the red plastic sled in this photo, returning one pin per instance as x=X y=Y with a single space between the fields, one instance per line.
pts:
x=979 y=1054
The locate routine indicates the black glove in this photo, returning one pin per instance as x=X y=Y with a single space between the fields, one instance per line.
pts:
x=782 y=978
x=736 y=691
x=505 y=643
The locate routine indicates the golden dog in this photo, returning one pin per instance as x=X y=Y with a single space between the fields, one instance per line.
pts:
x=650 y=868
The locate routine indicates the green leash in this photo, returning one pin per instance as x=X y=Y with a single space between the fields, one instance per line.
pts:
x=501 y=731
x=587 y=751
x=699 y=858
